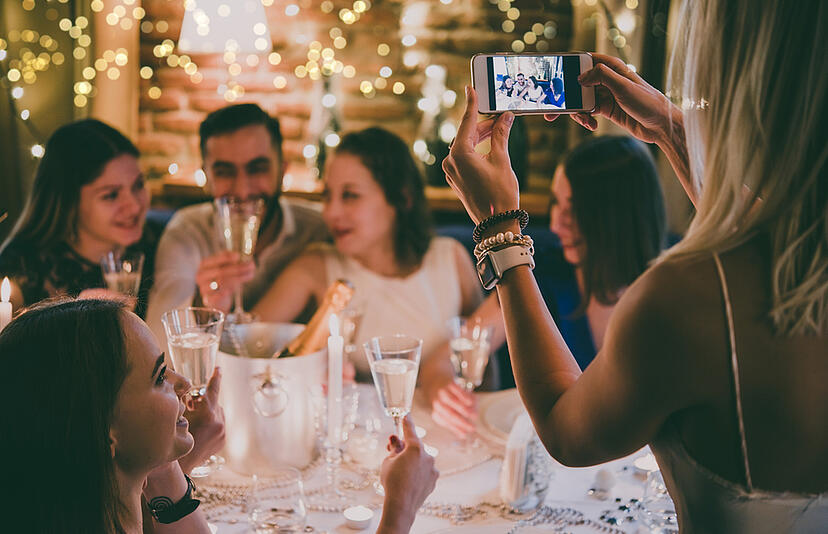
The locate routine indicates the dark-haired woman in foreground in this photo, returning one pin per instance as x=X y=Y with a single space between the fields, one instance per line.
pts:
x=607 y=210
x=94 y=423
x=88 y=198
x=408 y=281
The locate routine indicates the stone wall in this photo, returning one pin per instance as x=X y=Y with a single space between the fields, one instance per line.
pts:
x=175 y=97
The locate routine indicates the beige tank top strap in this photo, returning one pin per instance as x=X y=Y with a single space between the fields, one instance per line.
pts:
x=734 y=362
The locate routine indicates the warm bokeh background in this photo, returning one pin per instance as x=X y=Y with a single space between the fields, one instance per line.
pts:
x=401 y=64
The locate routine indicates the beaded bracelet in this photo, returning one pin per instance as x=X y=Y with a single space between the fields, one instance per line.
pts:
x=522 y=217
x=501 y=239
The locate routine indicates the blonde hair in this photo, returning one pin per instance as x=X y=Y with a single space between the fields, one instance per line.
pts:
x=754 y=93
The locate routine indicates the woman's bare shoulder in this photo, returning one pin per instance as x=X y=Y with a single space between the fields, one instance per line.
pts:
x=669 y=308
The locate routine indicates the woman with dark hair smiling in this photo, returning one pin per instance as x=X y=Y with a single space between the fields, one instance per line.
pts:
x=96 y=412
x=375 y=207
x=95 y=427
x=88 y=198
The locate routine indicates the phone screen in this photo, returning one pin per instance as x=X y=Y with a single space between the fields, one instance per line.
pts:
x=534 y=82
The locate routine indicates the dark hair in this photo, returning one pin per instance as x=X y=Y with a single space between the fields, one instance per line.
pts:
x=557 y=85
x=231 y=118
x=75 y=156
x=503 y=82
x=66 y=362
x=534 y=81
x=619 y=208
x=393 y=168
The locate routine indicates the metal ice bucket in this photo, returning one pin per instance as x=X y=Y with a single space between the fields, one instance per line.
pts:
x=268 y=412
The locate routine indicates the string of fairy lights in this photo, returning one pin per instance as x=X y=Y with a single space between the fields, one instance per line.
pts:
x=26 y=53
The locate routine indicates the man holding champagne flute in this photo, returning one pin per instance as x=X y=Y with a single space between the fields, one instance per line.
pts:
x=241 y=149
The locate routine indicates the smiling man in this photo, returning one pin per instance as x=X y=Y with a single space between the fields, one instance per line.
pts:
x=241 y=150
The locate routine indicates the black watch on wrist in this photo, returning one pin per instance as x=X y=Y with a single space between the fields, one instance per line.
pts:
x=165 y=511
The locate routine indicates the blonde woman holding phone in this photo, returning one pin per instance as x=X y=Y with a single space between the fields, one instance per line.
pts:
x=717 y=356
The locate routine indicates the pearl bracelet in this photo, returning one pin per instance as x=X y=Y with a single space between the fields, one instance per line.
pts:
x=501 y=239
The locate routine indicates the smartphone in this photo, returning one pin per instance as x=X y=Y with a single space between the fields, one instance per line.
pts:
x=531 y=83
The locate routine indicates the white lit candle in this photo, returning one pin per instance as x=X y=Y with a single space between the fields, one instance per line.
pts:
x=5 y=305
x=335 y=345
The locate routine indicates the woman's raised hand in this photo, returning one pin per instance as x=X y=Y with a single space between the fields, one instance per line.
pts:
x=486 y=184
x=626 y=99
x=206 y=418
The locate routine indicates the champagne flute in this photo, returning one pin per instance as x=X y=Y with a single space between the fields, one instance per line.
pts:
x=471 y=346
x=193 y=336
x=394 y=362
x=122 y=271
x=237 y=227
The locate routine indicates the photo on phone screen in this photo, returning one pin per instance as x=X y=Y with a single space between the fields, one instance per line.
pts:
x=534 y=82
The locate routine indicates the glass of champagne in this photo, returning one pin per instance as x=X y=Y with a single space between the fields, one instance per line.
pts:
x=122 y=271
x=193 y=336
x=237 y=227
x=394 y=362
x=471 y=344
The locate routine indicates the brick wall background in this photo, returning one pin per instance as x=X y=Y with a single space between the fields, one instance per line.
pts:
x=175 y=97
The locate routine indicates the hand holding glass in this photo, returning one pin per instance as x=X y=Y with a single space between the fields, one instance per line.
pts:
x=470 y=348
x=237 y=227
x=394 y=362
x=193 y=336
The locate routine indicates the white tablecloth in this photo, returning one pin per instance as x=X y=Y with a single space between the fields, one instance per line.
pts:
x=466 y=481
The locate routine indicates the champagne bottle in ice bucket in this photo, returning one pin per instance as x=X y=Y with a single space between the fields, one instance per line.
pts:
x=315 y=336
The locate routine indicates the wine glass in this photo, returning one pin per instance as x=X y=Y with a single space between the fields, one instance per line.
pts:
x=470 y=344
x=237 y=227
x=657 y=509
x=350 y=318
x=394 y=362
x=193 y=336
x=331 y=493
x=280 y=509
x=122 y=271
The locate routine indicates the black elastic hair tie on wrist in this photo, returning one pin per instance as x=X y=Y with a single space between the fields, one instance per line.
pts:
x=522 y=216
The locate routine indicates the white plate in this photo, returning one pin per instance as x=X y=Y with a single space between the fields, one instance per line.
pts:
x=498 y=413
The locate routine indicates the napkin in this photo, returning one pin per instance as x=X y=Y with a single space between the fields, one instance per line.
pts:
x=527 y=467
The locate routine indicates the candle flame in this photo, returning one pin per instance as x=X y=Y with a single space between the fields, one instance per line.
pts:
x=5 y=290
x=333 y=325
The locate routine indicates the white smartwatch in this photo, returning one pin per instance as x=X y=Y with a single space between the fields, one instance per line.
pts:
x=493 y=263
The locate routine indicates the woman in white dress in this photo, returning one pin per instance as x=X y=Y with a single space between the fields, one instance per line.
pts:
x=407 y=281
x=717 y=356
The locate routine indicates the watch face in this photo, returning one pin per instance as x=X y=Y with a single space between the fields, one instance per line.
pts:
x=486 y=272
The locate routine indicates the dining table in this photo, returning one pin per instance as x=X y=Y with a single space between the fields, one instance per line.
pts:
x=606 y=498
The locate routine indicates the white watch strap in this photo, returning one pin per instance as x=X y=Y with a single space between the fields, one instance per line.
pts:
x=509 y=257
